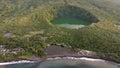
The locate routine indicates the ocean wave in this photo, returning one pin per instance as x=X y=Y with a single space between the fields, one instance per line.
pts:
x=82 y=58
x=91 y=59
x=16 y=62
x=55 y=58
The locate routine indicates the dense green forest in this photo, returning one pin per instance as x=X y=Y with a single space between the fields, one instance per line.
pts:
x=28 y=24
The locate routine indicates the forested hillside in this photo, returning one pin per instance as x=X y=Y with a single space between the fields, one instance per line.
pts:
x=27 y=24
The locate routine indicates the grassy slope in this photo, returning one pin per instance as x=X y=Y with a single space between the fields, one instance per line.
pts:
x=25 y=19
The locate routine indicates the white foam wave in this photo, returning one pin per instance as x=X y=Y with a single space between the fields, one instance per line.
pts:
x=16 y=62
x=91 y=59
x=82 y=58
x=56 y=58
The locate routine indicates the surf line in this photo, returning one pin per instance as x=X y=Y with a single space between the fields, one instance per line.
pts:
x=16 y=62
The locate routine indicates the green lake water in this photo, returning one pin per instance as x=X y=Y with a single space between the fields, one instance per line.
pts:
x=68 y=22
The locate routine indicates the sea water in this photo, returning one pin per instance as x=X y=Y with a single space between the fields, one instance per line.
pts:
x=66 y=63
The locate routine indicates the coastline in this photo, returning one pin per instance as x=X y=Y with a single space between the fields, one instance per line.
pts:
x=92 y=57
x=16 y=62
x=61 y=53
x=87 y=58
